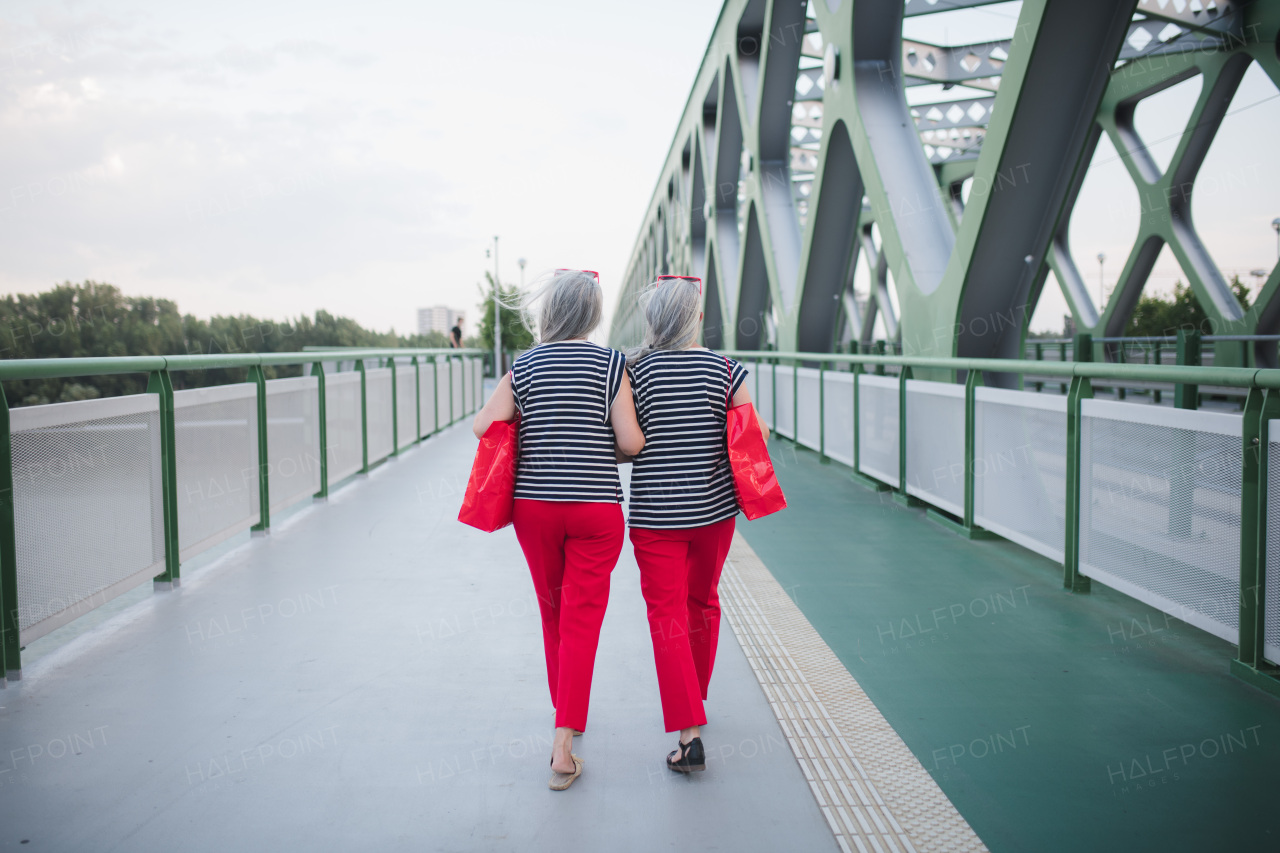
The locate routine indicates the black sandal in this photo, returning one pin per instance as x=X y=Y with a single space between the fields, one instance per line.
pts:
x=688 y=757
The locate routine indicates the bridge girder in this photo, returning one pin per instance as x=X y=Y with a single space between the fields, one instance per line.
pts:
x=798 y=157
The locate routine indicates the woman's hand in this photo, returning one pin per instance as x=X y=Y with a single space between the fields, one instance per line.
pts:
x=626 y=428
x=501 y=406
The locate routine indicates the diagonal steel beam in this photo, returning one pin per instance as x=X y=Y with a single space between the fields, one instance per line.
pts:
x=1052 y=87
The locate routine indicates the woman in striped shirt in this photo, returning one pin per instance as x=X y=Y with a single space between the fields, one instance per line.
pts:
x=683 y=502
x=575 y=406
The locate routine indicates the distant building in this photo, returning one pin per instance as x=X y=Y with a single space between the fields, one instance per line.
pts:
x=439 y=319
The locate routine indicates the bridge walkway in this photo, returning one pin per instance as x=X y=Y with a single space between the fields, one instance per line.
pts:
x=370 y=674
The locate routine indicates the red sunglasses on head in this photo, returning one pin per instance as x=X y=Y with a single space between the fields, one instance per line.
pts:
x=591 y=273
x=692 y=278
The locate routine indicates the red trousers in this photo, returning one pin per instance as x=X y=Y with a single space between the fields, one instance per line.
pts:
x=571 y=549
x=680 y=578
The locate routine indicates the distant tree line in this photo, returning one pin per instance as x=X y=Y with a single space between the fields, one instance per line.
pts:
x=96 y=320
x=1157 y=317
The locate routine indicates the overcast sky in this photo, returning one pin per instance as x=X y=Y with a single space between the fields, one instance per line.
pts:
x=276 y=158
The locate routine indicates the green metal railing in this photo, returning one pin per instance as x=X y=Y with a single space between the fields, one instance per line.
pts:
x=1262 y=404
x=159 y=370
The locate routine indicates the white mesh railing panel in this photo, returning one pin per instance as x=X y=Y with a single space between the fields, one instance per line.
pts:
x=343 y=431
x=293 y=439
x=427 y=396
x=216 y=447
x=455 y=370
x=878 y=427
x=1160 y=509
x=1020 y=468
x=838 y=413
x=1271 y=630
x=809 y=409
x=87 y=506
x=785 y=400
x=762 y=392
x=406 y=404
x=935 y=444
x=378 y=413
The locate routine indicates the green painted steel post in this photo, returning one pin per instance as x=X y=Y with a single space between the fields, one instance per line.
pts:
x=879 y=350
x=971 y=383
x=10 y=632
x=259 y=380
x=1062 y=357
x=1084 y=347
x=1123 y=359
x=364 y=417
x=1072 y=580
x=448 y=368
x=1253 y=576
x=966 y=526
x=1156 y=395
x=857 y=414
x=822 y=413
x=1187 y=396
x=773 y=393
x=391 y=363
x=435 y=394
x=901 y=496
x=159 y=382
x=1261 y=407
x=395 y=411
x=317 y=370
x=417 y=385
x=1182 y=480
x=795 y=402
x=1039 y=357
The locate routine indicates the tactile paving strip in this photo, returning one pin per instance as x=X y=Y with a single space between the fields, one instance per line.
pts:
x=875 y=794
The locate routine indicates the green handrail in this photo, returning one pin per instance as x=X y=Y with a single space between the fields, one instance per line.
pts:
x=1234 y=377
x=52 y=368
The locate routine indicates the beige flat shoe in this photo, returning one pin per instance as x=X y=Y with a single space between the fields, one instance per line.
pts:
x=561 y=781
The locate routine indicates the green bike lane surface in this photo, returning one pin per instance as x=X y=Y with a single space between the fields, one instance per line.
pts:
x=1053 y=721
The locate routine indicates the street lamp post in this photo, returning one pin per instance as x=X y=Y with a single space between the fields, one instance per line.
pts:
x=1102 y=298
x=520 y=263
x=497 y=315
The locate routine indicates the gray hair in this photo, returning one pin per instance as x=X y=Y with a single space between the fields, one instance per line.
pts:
x=672 y=317
x=568 y=304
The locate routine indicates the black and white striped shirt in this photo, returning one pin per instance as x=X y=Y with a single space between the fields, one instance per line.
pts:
x=682 y=478
x=564 y=391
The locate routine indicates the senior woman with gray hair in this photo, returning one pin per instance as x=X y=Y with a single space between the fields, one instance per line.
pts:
x=576 y=410
x=683 y=502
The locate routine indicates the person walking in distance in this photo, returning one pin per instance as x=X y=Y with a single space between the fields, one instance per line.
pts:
x=575 y=406
x=683 y=503
x=455 y=335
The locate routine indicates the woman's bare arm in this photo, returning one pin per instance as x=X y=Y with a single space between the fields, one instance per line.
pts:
x=741 y=399
x=501 y=406
x=626 y=427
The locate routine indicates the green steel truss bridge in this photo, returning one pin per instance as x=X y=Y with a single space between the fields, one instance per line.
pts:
x=1022 y=599
x=798 y=159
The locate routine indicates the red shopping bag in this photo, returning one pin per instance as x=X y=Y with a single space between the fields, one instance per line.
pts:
x=491 y=490
x=753 y=478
